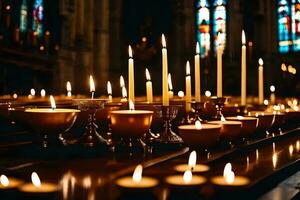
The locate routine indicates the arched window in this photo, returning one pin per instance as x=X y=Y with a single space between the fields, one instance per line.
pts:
x=37 y=17
x=23 y=17
x=207 y=32
x=288 y=13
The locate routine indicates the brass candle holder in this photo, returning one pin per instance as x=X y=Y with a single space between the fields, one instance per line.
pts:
x=219 y=103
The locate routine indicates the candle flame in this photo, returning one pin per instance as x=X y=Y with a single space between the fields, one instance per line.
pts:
x=187 y=68
x=227 y=169
x=122 y=82
x=229 y=178
x=223 y=119
x=148 y=77
x=124 y=92
x=68 y=86
x=32 y=92
x=170 y=82
x=207 y=93
x=163 y=41
x=192 y=160
x=109 y=90
x=198 y=125
x=52 y=102
x=240 y=117
x=243 y=38
x=35 y=179
x=272 y=88
x=4 y=180
x=187 y=176
x=296 y=108
x=274 y=160
x=129 y=51
x=180 y=94
x=92 y=84
x=131 y=105
x=266 y=102
x=43 y=93
x=298 y=145
x=197 y=48
x=137 y=174
x=291 y=150
x=219 y=40
x=260 y=62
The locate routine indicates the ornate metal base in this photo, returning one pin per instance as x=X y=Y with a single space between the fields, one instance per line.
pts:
x=219 y=103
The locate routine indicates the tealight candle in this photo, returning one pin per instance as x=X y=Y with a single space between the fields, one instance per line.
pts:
x=188 y=180
x=192 y=165
x=37 y=186
x=7 y=183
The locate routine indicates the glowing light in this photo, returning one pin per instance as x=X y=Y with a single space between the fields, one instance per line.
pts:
x=207 y=93
x=227 y=169
x=35 y=179
x=68 y=86
x=260 y=61
x=43 y=93
x=223 y=119
x=198 y=125
x=283 y=67
x=32 y=92
x=243 y=38
x=197 y=48
x=240 y=117
x=266 y=102
x=4 y=180
x=137 y=174
x=187 y=176
x=192 y=160
x=109 y=90
x=274 y=160
x=291 y=150
x=122 y=82
x=148 y=77
x=298 y=145
x=87 y=182
x=163 y=41
x=124 y=92
x=272 y=88
x=180 y=94
x=187 y=68
x=129 y=51
x=170 y=82
x=229 y=178
x=52 y=102
x=92 y=84
x=15 y=95
x=131 y=105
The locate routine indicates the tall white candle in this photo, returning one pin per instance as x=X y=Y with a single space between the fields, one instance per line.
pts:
x=243 y=70
x=130 y=75
x=188 y=97
x=219 y=67
x=165 y=95
x=260 y=82
x=197 y=74
x=171 y=93
x=149 y=90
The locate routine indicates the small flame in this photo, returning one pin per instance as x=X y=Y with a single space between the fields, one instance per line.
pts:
x=229 y=178
x=170 y=82
x=148 y=77
x=274 y=160
x=266 y=102
x=295 y=102
x=68 y=86
x=197 y=48
x=296 y=108
x=223 y=119
x=32 y=92
x=163 y=41
x=137 y=174
x=35 y=179
x=131 y=105
x=283 y=67
x=291 y=150
x=92 y=84
x=207 y=93
x=180 y=94
x=260 y=62
x=298 y=145
x=198 y=125
x=192 y=159
x=272 y=88
x=243 y=38
x=109 y=90
x=52 y=102
x=219 y=40
x=4 y=180
x=227 y=169
x=187 y=176
x=87 y=182
x=122 y=82
x=15 y=95
x=43 y=93
x=187 y=68
x=240 y=117
x=124 y=92
x=129 y=51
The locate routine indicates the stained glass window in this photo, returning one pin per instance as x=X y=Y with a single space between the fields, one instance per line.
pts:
x=284 y=29
x=295 y=8
x=206 y=13
x=219 y=22
x=23 y=17
x=37 y=18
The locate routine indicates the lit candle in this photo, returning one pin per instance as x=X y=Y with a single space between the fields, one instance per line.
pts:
x=260 y=82
x=69 y=89
x=109 y=91
x=37 y=186
x=197 y=74
x=43 y=93
x=229 y=179
x=192 y=165
x=32 y=93
x=92 y=86
x=122 y=82
x=137 y=181
x=9 y=183
x=130 y=74
x=149 y=90
x=243 y=70
x=272 y=95
x=188 y=97
x=165 y=95
x=124 y=94
x=171 y=93
x=187 y=180
x=219 y=66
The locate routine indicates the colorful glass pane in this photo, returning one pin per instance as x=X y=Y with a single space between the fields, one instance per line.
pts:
x=284 y=26
x=219 y=22
x=203 y=24
x=23 y=17
x=295 y=8
x=37 y=20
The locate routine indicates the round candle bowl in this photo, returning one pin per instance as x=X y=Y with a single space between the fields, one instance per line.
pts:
x=265 y=119
x=205 y=137
x=238 y=183
x=45 y=191
x=231 y=130
x=249 y=124
x=49 y=122
x=130 y=123
x=103 y=115
x=146 y=183
x=176 y=182
x=198 y=168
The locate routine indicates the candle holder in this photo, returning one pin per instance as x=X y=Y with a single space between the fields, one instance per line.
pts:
x=198 y=107
x=91 y=137
x=219 y=103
